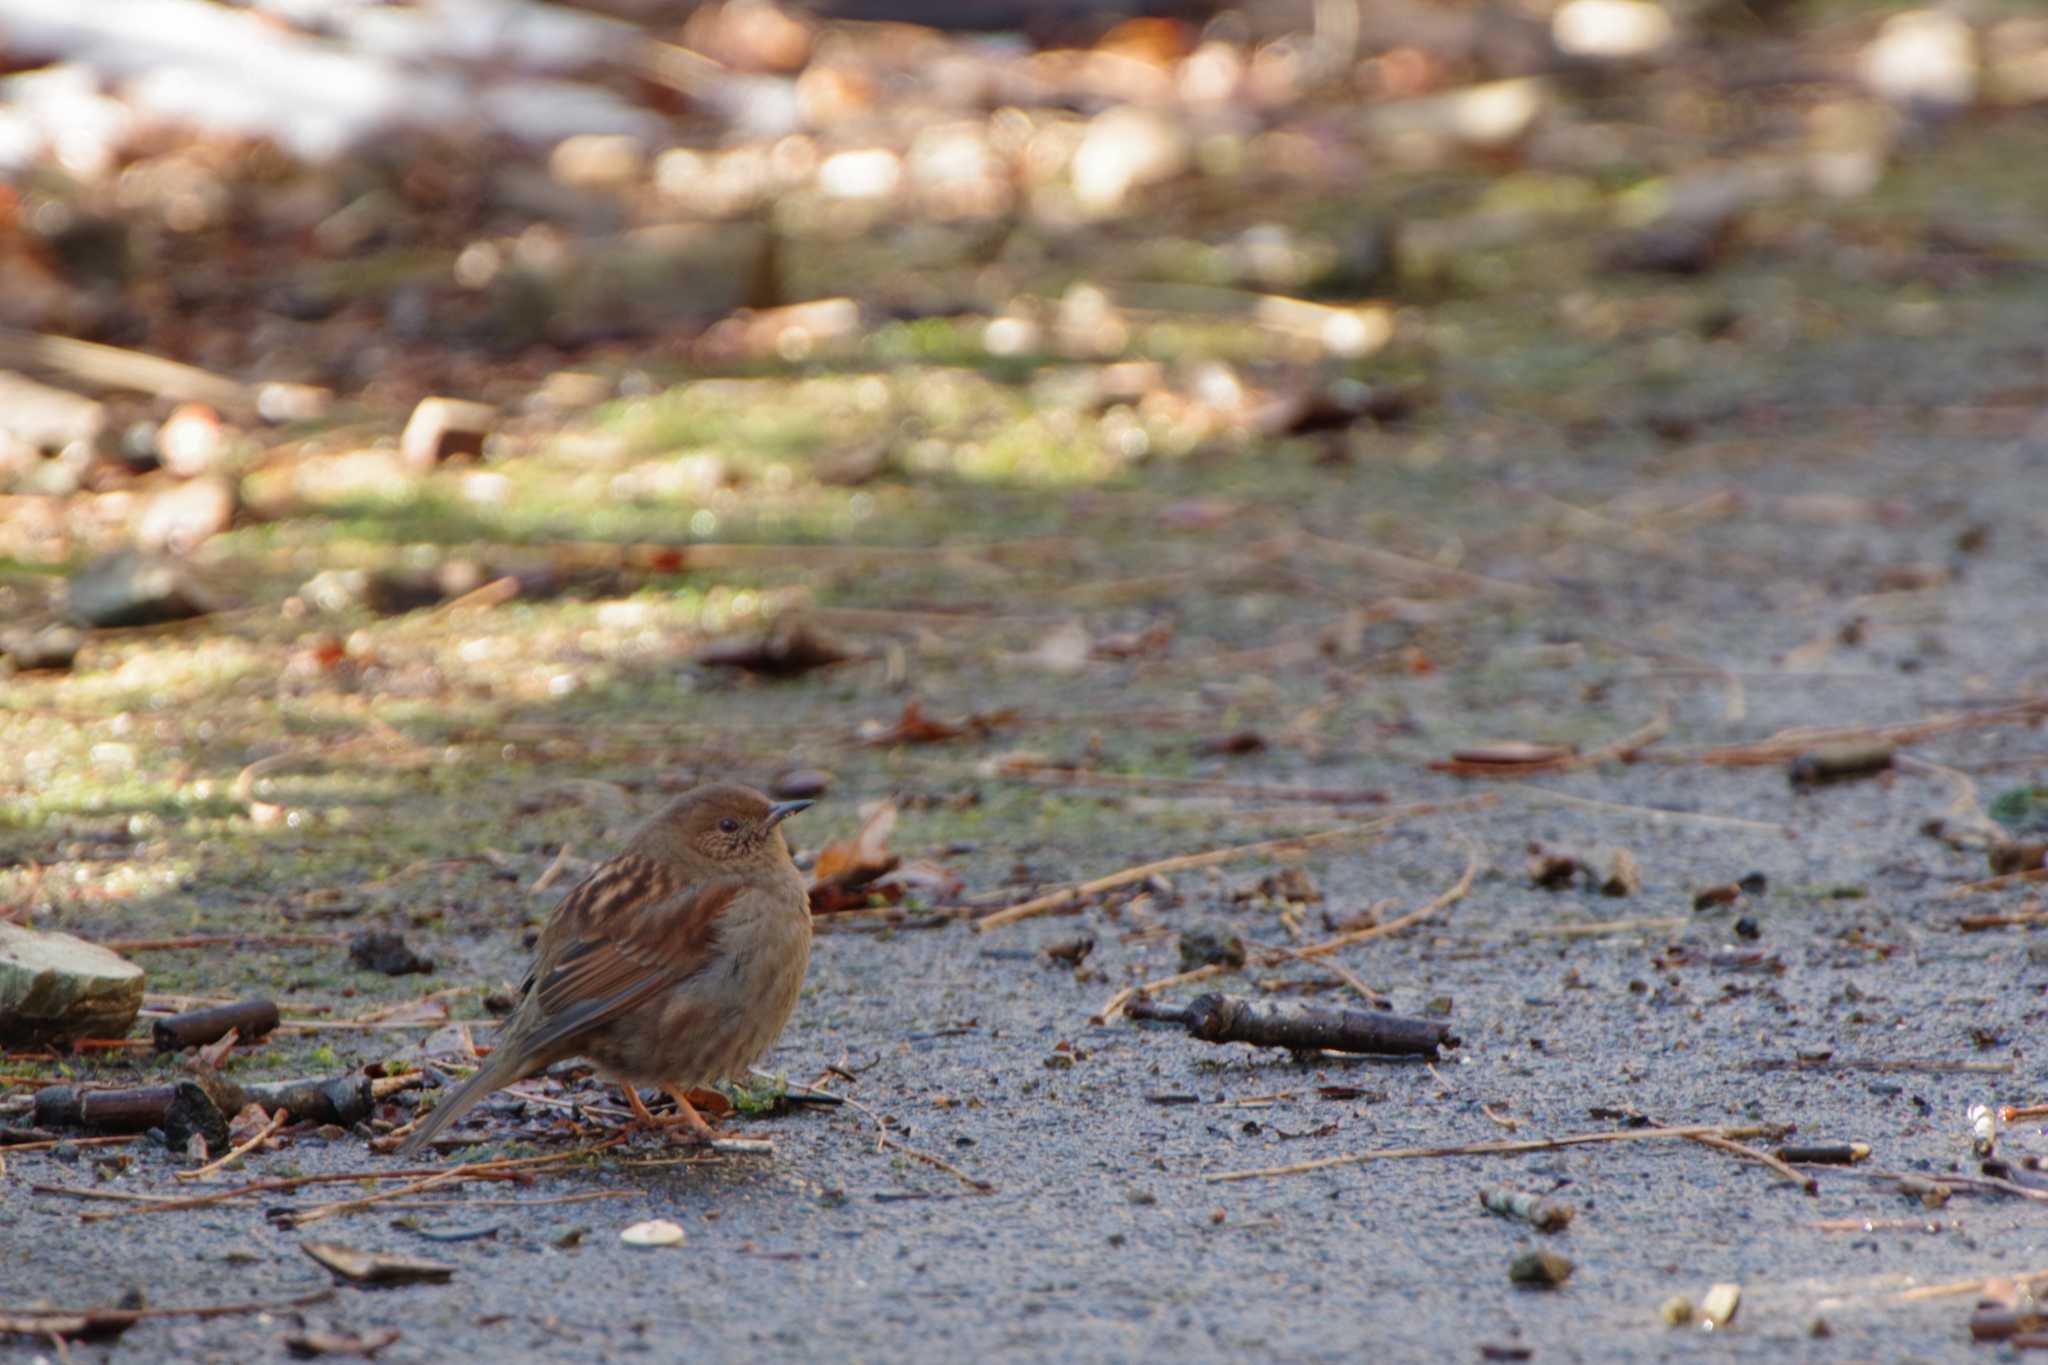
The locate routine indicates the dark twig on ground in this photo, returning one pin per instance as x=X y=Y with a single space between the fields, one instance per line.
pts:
x=1217 y=1018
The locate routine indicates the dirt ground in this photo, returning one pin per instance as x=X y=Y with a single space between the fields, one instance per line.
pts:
x=1102 y=1238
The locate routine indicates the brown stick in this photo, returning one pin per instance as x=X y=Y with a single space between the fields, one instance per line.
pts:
x=1504 y=1148
x=1215 y=1018
x=196 y=1028
x=1066 y=896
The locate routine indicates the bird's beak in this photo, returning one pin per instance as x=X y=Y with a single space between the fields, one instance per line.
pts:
x=782 y=810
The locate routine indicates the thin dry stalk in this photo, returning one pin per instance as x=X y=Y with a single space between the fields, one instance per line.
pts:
x=1502 y=1148
x=1954 y=1288
x=1069 y=895
x=299 y=1218
x=1114 y=1006
x=883 y=1139
x=1203 y=786
x=152 y=945
x=117 y=367
x=1451 y=895
x=1963 y=808
x=1602 y=928
x=1409 y=569
x=482 y=1170
x=1654 y=814
x=2037 y=874
x=1721 y=1144
x=119 y=1196
x=1788 y=744
x=1342 y=972
x=45 y=1144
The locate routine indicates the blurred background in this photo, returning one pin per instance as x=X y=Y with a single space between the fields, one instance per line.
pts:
x=327 y=328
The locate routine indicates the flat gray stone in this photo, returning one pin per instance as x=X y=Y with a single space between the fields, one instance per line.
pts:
x=54 y=986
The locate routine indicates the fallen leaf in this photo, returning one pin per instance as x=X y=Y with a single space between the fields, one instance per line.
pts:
x=924 y=879
x=846 y=867
x=915 y=727
x=1150 y=642
x=710 y=1103
x=248 y=1123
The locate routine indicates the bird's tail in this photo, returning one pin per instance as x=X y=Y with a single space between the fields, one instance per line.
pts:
x=500 y=1070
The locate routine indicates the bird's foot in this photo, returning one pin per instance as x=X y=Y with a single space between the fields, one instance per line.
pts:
x=688 y=1126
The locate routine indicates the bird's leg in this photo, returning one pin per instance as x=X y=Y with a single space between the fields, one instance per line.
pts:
x=688 y=1117
x=641 y=1115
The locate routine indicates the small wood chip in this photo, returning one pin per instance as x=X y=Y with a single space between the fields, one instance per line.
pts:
x=1624 y=877
x=1540 y=1269
x=1545 y=1215
x=373 y=1267
x=1718 y=1308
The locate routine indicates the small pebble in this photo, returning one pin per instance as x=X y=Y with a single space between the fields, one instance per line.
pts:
x=655 y=1232
x=1540 y=1269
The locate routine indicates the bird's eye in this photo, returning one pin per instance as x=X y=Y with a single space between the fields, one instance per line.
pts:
x=729 y=825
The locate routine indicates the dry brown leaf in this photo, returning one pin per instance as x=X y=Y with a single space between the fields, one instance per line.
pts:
x=846 y=866
x=915 y=727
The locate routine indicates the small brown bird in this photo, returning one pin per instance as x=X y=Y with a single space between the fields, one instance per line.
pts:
x=675 y=964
